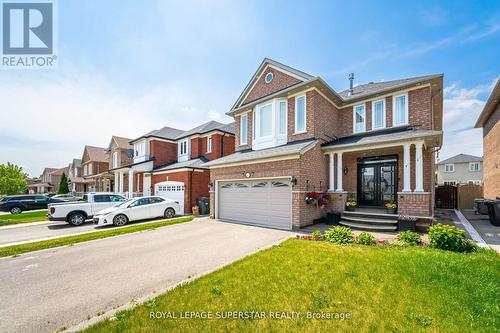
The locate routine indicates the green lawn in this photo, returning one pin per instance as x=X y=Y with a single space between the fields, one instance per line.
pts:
x=384 y=289
x=23 y=217
x=34 y=246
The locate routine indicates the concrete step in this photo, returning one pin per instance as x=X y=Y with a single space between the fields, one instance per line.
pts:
x=368 y=227
x=370 y=221
x=370 y=215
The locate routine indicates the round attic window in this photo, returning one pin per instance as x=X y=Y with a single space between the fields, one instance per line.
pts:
x=269 y=77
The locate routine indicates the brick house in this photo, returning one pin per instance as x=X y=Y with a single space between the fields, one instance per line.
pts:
x=489 y=121
x=294 y=135
x=170 y=162
x=44 y=184
x=95 y=166
x=76 y=183
x=56 y=177
x=121 y=153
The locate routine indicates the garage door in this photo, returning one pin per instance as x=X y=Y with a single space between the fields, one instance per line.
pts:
x=172 y=190
x=260 y=202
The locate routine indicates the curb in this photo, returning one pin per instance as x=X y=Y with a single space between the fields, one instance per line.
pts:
x=470 y=229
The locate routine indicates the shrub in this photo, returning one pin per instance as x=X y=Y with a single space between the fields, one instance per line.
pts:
x=316 y=234
x=409 y=237
x=339 y=235
x=451 y=238
x=365 y=238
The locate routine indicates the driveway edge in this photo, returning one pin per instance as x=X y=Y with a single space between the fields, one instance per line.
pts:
x=470 y=229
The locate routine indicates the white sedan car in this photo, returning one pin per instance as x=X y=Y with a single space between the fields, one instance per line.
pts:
x=137 y=209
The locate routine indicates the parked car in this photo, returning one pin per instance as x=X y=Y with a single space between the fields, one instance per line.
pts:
x=77 y=212
x=137 y=209
x=66 y=197
x=16 y=204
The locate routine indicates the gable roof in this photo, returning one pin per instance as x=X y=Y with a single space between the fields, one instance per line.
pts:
x=208 y=127
x=96 y=154
x=168 y=133
x=60 y=171
x=121 y=142
x=48 y=170
x=302 y=76
x=490 y=106
x=461 y=158
x=196 y=163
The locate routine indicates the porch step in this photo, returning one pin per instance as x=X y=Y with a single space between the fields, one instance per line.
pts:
x=370 y=215
x=369 y=227
x=371 y=221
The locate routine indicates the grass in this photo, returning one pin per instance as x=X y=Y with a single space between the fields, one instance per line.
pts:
x=15 y=250
x=384 y=289
x=26 y=217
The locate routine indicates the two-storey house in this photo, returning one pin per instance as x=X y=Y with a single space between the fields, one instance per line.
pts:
x=76 y=183
x=43 y=184
x=374 y=142
x=170 y=162
x=460 y=169
x=95 y=166
x=121 y=153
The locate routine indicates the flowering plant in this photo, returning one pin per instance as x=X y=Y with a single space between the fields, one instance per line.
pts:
x=320 y=199
x=391 y=205
x=351 y=203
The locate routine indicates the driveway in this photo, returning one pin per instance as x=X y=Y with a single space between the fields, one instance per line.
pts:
x=50 y=289
x=482 y=224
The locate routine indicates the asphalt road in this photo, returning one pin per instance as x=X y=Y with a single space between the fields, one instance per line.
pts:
x=46 y=290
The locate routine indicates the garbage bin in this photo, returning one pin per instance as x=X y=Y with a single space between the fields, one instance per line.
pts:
x=204 y=204
x=494 y=211
x=481 y=207
x=332 y=218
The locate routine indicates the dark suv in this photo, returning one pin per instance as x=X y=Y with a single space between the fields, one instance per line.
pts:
x=19 y=203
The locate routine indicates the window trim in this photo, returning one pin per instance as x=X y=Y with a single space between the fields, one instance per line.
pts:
x=258 y=118
x=384 y=114
x=296 y=131
x=209 y=144
x=245 y=116
x=284 y=100
x=354 y=118
x=452 y=167
x=394 y=97
x=474 y=163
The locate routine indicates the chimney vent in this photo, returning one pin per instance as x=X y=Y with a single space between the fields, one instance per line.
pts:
x=351 y=82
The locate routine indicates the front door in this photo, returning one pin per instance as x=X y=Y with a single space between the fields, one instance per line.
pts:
x=377 y=181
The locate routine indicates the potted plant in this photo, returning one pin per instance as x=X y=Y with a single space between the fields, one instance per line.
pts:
x=391 y=206
x=311 y=198
x=333 y=218
x=351 y=204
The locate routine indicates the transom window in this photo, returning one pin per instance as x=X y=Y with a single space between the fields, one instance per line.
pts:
x=244 y=129
x=474 y=167
x=280 y=184
x=400 y=110
x=261 y=184
x=449 y=167
x=300 y=114
x=378 y=114
x=359 y=118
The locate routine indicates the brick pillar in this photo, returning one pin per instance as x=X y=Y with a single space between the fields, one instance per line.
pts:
x=212 y=204
x=415 y=204
x=339 y=200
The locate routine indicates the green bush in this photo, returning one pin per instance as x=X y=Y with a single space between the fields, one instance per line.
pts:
x=409 y=237
x=365 y=238
x=339 y=235
x=451 y=238
x=316 y=235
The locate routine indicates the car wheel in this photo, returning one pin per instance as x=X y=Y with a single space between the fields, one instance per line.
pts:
x=16 y=210
x=120 y=220
x=169 y=213
x=76 y=219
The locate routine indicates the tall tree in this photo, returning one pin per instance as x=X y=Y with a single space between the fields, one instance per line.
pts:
x=12 y=179
x=63 y=185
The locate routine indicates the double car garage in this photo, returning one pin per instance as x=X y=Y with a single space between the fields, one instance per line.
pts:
x=262 y=202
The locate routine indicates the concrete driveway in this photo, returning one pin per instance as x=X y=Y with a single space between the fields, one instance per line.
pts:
x=50 y=289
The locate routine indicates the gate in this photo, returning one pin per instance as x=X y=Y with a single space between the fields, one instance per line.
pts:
x=446 y=196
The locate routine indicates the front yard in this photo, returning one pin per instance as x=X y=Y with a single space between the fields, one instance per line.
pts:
x=381 y=288
x=26 y=217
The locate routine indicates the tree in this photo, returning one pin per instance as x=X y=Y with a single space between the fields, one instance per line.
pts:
x=12 y=179
x=63 y=185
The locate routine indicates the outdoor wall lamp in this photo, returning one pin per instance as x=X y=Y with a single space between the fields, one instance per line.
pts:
x=294 y=180
x=247 y=174
x=346 y=170
x=211 y=184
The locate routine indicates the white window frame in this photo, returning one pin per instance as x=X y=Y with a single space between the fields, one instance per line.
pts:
x=279 y=116
x=183 y=150
x=354 y=118
x=209 y=144
x=244 y=120
x=90 y=169
x=115 y=159
x=296 y=130
x=383 y=114
x=257 y=120
x=394 y=110
x=448 y=182
x=474 y=163
x=452 y=169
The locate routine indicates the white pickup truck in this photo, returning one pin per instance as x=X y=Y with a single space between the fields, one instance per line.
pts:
x=75 y=213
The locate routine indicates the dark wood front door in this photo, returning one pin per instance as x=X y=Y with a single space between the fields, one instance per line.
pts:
x=377 y=181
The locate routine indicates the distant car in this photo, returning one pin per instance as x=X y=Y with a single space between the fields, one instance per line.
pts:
x=137 y=209
x=16 y=204
x=66 y=197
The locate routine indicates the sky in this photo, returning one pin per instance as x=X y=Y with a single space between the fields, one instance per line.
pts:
x=127 y=67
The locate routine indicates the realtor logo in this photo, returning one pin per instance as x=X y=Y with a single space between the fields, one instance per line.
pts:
x=28 y=34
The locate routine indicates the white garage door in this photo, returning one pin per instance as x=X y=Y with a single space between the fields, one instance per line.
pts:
x=260 y=202
x=172 y=190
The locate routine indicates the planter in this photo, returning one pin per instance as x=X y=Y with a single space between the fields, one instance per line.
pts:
x=350 y=208
x=391 y=210
x=332 y=218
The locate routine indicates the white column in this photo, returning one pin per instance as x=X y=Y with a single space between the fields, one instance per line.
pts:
x=131 y=183
x=419 y=168
x=120 y=183
x=331 y=177
x=406 y=168
x=339 y=172
x=117 y=190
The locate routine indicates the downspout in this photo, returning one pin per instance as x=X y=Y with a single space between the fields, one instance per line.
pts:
x=190 y=188
x=222 y=145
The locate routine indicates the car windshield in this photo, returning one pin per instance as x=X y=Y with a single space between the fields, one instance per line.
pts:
x=125 y=203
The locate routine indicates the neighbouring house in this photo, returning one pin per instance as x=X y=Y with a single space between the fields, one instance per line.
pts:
x=489 y=121
x=295 y=135
x=44 y=185
x=170 y=162
x=95 y=166
x=56 y=178
x=121 y=153
x=76 y=183
x=460 y=169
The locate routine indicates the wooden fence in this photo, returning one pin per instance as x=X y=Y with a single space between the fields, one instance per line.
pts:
x=461 y=196
x=467 y=194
